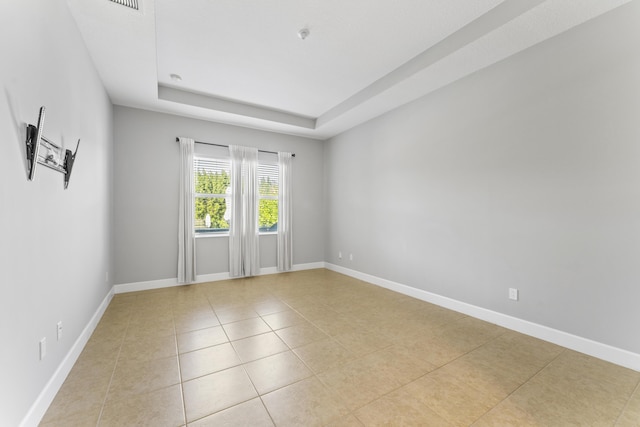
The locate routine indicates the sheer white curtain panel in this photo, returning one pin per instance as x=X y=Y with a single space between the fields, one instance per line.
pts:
x=186 y=233
x=244 y=255
x=285 y=236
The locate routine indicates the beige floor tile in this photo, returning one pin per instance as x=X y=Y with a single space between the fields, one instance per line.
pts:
x=336 y=324
x=212 y=393
x=229 y=300
x=301 y=334
x=322 y=355
x=247 y=414
x=133 y=377
x=161 y=311
x=79 y=395
x=111 y=328
x=194 y=322
x=66 y=410
x=270 y=306
x=399 y=408
x=103 y=347
x=246 y=328
x=149 y=348
x=581 y=369
x=467 y=333
x=305 y=403
x=361 y=343
x=435 y=349
x=433 y=316
x=208 y=360
x=577 y=389
x=360 y=381
x=348 y=421
x=235 y=314
x=514 y=355
x=149 y=327
x=451 y=399
x=192 y=307
x=78 y=419
x=494 y=381
x=96 y=365
x=158 y=408
x=201 y=338
x=283 y=319
x=259 y=346
x=312 y=311
x=515 y=346
x=508 y=413
x=393 y=363
x=540 y=404
x=417 y=359
x=276 y=371
x=631 y=413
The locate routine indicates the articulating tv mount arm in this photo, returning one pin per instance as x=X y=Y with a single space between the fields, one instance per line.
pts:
x=52 y=153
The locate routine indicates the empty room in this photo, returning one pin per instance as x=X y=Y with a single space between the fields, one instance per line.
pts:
x=320 y=213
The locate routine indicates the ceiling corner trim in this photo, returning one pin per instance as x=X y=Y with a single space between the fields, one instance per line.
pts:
x=214 y=103
x=486 y=23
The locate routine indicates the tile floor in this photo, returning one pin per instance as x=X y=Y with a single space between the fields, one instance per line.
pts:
x=316 y=348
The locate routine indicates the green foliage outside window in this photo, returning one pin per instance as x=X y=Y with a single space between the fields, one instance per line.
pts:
x=217 y=183
x=211 y=183
x=268 y=208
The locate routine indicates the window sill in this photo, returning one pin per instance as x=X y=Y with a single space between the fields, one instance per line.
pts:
x=208 y=235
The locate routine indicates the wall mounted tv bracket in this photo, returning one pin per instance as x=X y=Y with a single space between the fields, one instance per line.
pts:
x=41 y=150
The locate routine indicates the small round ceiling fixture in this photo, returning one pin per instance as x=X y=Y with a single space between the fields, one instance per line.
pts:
x=303 y=33
x=175 y=77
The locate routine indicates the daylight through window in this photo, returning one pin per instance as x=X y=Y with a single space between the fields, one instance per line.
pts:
x=212 y=199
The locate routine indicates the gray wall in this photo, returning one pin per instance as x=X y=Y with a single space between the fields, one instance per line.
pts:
x=146 y=187
x=525 y=175
x=54 y=243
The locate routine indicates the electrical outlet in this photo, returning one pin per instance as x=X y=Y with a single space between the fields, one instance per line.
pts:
x=513 y=294
x=106 y=277
x=43 y=348
x=59 y=330
x=339 y=254
x=350 y=257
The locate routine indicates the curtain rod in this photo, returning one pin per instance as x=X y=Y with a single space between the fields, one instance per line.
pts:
x=222 y=145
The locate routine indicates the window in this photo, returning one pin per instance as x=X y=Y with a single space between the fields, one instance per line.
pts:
x=268 y=194
x=212 y=199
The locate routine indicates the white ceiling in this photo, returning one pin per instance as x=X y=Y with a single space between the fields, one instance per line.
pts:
x=242 y=62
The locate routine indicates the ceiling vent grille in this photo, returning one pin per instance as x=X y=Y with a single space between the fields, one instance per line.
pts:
x=133 y=4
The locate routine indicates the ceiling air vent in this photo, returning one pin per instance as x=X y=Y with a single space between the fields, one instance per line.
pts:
x=133 y=4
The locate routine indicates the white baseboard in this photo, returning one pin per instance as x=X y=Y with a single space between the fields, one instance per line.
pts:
x=309 y=266
x=214 y=277
x=583 y=345
x=40 y=406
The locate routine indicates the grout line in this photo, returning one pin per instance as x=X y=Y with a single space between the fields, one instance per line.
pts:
x=524 y=383
x=115 y=366
x=184 y=403
x=626 y=405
